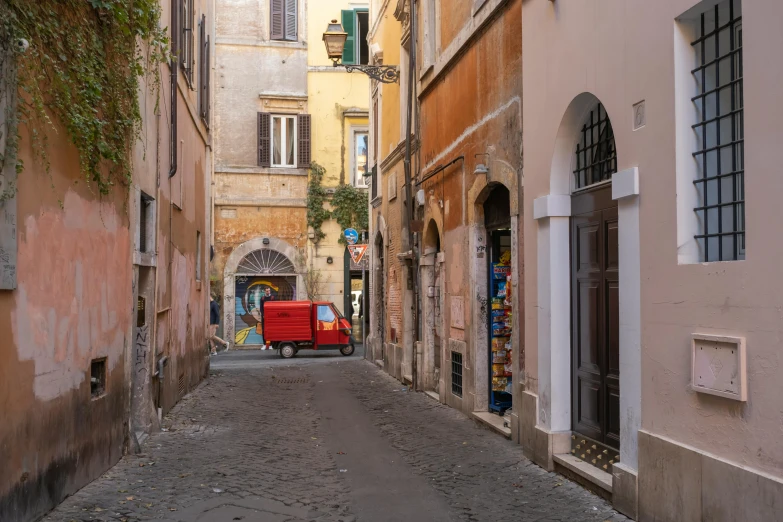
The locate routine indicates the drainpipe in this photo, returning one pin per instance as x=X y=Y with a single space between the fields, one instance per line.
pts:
x=409 y=190
x=161 y=363
x=173 y=166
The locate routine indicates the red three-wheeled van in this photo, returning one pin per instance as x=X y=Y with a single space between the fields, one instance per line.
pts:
x=290 y=326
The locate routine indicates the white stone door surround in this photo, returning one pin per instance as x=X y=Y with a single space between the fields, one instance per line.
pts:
x=553 y=212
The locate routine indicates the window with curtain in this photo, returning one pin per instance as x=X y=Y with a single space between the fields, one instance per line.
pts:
x=283 y=141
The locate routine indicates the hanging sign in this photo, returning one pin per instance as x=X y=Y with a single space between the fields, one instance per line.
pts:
x=357 y=252
x=351 y=236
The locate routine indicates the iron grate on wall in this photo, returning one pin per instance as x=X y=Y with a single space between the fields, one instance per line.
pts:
x=456 y=373
x=720 y=134
x=596 y=153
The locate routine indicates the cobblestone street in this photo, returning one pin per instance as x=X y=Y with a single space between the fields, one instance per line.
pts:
x=326 y=439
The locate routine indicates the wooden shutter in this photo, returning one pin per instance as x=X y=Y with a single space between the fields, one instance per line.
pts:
x=290 y=20
x=277 y=31
x=264 y=139
x=304 y=156
x=349 y=26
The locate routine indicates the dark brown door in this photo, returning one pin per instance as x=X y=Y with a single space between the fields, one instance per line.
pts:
x=595 y=313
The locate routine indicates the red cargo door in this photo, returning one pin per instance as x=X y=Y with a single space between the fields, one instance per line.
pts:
x=328 y=333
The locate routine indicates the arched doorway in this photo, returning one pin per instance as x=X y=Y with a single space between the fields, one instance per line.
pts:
x=595 y=310
x=432 y=282
x=500 y=316
x=262 y=275
x=251 y=268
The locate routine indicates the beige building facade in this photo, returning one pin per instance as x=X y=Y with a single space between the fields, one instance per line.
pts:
x=281 y=107
x=651 y=323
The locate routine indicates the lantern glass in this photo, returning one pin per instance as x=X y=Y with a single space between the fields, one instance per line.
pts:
x=334 y=39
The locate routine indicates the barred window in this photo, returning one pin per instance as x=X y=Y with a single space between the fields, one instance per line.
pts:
x=720 y=180
x=596 y=153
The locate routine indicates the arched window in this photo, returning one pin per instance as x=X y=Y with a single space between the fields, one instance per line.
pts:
x=265 y=262
x=596 y=154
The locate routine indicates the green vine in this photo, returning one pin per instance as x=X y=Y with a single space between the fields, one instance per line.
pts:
x=316 y=198
x=84 y=67
x=350 y=209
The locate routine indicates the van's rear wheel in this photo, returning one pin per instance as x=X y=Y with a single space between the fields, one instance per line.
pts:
x=287 y=350
x=347 y=350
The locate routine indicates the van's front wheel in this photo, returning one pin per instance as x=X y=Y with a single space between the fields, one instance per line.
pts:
x=347 y=350
x=287 y=350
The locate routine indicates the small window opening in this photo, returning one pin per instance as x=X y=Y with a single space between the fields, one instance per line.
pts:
x=456 y=373
x=98 y=378
x=198 y=255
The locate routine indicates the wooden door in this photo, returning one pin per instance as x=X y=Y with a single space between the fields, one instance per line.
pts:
x=595 y=313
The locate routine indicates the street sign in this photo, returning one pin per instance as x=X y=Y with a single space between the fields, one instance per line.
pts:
x=351 y=236
x=357 y=252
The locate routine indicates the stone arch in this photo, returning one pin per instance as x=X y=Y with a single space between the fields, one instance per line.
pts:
x=232 y=264
x=432 y=238
x=560 y=178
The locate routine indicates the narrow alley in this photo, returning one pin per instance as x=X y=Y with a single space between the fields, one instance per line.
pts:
x=323 y=438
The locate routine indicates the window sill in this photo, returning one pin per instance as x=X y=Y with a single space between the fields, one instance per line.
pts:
x=281 y=171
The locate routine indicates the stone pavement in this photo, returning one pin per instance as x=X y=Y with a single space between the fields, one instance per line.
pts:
x=334 y=440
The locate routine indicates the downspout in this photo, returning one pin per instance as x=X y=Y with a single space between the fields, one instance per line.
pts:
x=409 y=190
x=173 y=166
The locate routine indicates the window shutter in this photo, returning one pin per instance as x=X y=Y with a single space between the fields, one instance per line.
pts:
x=349 y=26
x=304 y=157
x=290 y=20
x=277 y=20
x=264 y=141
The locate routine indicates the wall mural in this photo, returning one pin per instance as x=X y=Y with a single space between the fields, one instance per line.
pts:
x=250 y=293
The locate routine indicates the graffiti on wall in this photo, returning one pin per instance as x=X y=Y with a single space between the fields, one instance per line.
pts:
x=250 y=294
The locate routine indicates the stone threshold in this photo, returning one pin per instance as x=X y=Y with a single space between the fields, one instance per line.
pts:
x=407 y=379
x=379 y=363
x=590 y=475
x=432 y=395
x=493 y=422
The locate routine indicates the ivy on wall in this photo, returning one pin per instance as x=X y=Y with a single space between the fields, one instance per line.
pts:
x=350 y=209
x=349 y=206
x=316 y=198
x=84 y=67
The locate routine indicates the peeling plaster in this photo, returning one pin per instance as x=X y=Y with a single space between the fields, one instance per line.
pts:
x=48 y=327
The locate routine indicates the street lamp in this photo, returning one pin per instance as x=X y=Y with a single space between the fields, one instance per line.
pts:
x=334 y=39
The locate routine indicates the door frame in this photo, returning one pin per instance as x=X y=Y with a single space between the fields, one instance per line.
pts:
x=594 y=200
x=553 y=396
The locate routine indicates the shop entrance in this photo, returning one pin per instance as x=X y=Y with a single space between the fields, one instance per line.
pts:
x=497 y=219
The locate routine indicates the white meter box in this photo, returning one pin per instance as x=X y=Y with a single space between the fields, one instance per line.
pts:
x=718 y=366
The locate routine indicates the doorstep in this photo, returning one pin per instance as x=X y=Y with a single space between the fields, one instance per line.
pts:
x=432 y=395
x=407 y=379
x=494 y=422
x=581 y=469
x=379 y=363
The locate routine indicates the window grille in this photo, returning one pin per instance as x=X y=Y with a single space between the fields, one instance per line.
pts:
x=456 y=373
x=720 y=158
x=265 y=261
x=596 y=154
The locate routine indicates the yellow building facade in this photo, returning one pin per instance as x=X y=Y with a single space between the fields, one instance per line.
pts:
x=339 y=104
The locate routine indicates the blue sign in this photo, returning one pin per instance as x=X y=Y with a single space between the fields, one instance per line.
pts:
x=351 y=236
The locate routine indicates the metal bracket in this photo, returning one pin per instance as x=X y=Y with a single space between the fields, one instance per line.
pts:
x=381 y=73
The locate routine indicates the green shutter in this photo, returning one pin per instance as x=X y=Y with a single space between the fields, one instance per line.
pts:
x=349 y=25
